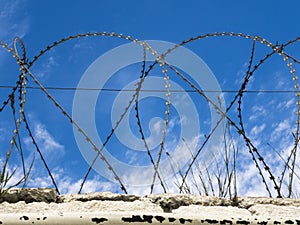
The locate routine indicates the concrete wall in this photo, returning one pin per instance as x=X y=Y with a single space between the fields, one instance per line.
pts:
x=43 y=206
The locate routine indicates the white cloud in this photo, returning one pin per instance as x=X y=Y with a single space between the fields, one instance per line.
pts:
x=68 y=185
x=81 y=47
x=42 y=70
x=9 y=170
x=282 y=83
x=13 y=19
x=2 y=131
x=257 y=129
x=281 y=130
x=132 y=158
x=241 y=74
x=282 y=126
x=289 y=103
x=177 y=100
x=50 y=148
x=257 y=111
x=142 y=178
x=157 y=127
x=286 y=104
x=13 y=23
x=249 y=182
x=45 y=140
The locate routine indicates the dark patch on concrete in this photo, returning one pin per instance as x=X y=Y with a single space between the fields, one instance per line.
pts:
x=148 y=218
x=159 y=218
x=289 y=222
x=131 y=219
x=263 y=222
x=182 y=220
x=244 y=222
x=298 y=222
x=24 y=218
x=211 y=221
x=44 y=218
x=226 y=221
x=172 y=219
x=137 y=218
x=277 y=222
x=169 y=203
x=99 y=220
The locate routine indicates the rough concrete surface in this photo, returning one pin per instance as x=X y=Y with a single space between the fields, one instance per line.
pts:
x=182 y=208
x=28 y=195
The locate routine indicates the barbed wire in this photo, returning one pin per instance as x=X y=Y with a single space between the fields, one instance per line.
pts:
x=160 y=60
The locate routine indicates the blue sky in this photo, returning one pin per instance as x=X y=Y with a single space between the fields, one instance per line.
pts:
x=269 y=118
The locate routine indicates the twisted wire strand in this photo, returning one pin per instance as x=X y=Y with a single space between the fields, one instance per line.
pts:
x=21 y=92
x=287 y=58
x=14 y=89
x=139 y=123
x=167 y=112
x=40 y=153
x=19 y=145
x=240 y=117
x=22 y=99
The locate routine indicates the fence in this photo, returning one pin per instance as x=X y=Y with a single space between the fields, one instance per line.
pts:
x=18 y=51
